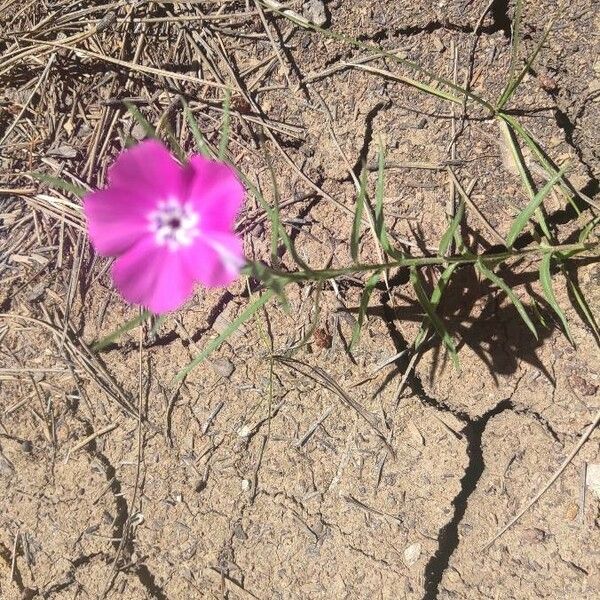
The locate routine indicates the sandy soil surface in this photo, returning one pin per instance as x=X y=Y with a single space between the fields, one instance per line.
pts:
x=272 y=473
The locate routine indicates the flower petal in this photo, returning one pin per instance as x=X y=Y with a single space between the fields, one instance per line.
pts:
x=116 y=219
x=150 y=169
x=216 y=192
x=215 y=259
x=153 y=276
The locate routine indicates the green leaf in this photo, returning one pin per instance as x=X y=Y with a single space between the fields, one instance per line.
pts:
x=430 y=309
x=201 y=145
x=60 y=184
x=127 y=326
x=364 y=304
x=582 y=305
x=247 y=314
x=225 y=127
x=141 y=119
x=489 y=274
x=585 y=232
x=516 y=39
x=360 y=205
x=436 y=297
x=379 y=220
x=523 y=172
x=452 y=229
x=546 y=282
x=514 y=83
x=522 y=219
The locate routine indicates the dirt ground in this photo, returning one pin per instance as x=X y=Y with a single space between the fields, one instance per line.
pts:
x=270 y=474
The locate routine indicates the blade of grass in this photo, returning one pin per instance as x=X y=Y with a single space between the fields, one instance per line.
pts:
x=360 y=204
x=523 y=218
x=567 y=188
x=436 y=297
x=281 y=10
x=201 y=145
x=519 y=161
x=434 y=318
x=60 y=184
x=550 y=296
x=246 y=314
x=499 y=282
x=449 y=234
x=127 y=326
x=581 y=305
x=134 y=111
x=364 y=304
x=379 y=221
x=514 y=83
x=225 y=127
x=516 y=39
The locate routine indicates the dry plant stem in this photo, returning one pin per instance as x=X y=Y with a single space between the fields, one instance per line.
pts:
x=551 y=481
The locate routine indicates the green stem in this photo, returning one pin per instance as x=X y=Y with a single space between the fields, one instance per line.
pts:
x=420 y=261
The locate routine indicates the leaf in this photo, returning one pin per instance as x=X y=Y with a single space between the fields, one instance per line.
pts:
x=247 y=314
x=522 y=219
x=225 y=127
x=582 y=306
x=379 y=220
x=360 y=204
x=364 y=304
x=141 y=119
x=127 y=326
x=60 y=184
x=452 y=229
x=201 y=144
x=430 y=309
x=523 y=172
x=546 y=282
x=514 y=83
x=489 y=274
x=516 y=39
x=436 y=298
x=585 y=232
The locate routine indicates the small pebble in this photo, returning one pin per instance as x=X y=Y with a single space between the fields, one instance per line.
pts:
x=223 y=367
x=412 y=553
x=315 y=12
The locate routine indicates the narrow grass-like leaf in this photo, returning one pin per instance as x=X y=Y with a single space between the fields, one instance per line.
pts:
x=225 y=127
x=434 y=318
x=585 y=232
x=567 y=188
x=141 y=119
x=498 y=281
x=364 y=304
x=519 y=161
x=581 y=305
x=245 y=315
x=127 y=326
x=549 y=295
x=436 y=297
x=514 y=83
x=516 y=39
x=201 y=145
x=60 y=183
x=522 y=219
x=358 y=213
x=450 y=233
x=379 y=221
x=278 y=8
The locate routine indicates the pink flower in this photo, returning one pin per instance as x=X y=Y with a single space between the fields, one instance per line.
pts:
x=168 y=225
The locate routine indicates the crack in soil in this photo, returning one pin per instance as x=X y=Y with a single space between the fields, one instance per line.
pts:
x=448 y=537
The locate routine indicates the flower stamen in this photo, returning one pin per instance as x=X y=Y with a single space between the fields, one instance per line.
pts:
x=174 y=224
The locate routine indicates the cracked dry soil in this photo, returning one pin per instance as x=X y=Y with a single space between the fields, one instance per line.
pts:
x=312 y=503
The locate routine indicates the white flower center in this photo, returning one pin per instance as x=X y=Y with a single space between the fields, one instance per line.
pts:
x=174 y=224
